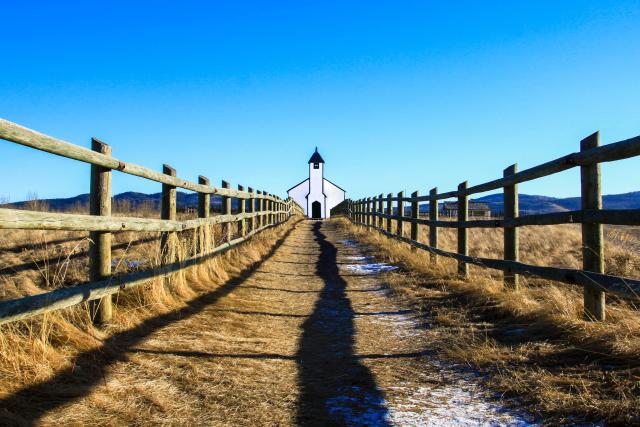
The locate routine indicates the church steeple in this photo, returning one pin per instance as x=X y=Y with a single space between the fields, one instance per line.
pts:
x=316 y=157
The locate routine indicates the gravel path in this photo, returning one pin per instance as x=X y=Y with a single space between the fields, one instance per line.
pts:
x=311 y=336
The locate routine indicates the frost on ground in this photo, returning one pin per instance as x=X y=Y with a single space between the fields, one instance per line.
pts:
x=434 y=393
x=373 y=268
x=457 y=400
x=126 y=263
x=359 y=258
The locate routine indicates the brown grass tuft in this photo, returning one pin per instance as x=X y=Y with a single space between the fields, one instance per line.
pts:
x=533 y=344
x=34 y=350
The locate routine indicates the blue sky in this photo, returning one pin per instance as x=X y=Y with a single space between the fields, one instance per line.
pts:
x=396 y=95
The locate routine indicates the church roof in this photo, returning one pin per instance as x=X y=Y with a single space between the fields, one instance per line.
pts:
x=316 y=157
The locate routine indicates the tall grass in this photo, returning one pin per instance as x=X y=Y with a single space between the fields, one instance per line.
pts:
x=534 y=343
x=32 y=262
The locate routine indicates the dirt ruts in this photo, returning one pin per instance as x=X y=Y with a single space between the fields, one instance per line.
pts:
x=310 y=336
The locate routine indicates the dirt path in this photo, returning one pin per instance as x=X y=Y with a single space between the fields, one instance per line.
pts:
x=311 y=336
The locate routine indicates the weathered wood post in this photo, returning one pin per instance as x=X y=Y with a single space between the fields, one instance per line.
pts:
x=204 y=208
x=400 y=207
x=226 y=210
x=592 y=238
x=463 y=216
x=257 y=209
x=269 y=202
x=380 y=210
x=168 y=212
x=433 y=216
x=252 y=209
x=511 y=238
x=389 y=212
x=360 y=214
x=242 y=209
x=273 y=209
x=101 y=311
x=275 y=205
x=261 y=209
x=365 y=209
x=415 y=215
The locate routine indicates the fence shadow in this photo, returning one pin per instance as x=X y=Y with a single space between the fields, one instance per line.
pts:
x=335 y=388
x=32 y=402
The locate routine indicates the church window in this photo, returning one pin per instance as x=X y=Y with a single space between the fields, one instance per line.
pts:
x=316 y=165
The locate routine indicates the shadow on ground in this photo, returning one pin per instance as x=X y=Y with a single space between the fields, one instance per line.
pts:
x=31 y=403
x=335 y=388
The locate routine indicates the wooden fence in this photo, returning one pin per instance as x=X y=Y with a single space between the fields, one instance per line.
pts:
x=378 y=213
x=258 y=210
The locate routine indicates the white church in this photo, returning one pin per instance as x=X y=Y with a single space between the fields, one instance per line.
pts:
x=316 y=194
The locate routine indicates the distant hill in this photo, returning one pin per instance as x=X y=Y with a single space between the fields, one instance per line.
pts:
x=541 y=204
x=531 y=204
x=129 y=199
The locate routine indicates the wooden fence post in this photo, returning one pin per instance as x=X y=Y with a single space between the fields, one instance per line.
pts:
x=252 y=209
x=274 y=207
x=242 y=209
x=101 y=311
x=356 y=215
x=365 y=211
x=282 y=218
x=433 y=216
x=261 y=218
x=369 y=211
x=400 y=207
x=592 y=238
x=380 y=210
x=389 y=212
x=226 y=210
x=204 y=209
x=268 y=209
x=511 y=238
x=168 y=212
x=271 y=209
x=415 y=214
x=463 y=215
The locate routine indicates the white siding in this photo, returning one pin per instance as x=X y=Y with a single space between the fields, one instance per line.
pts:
x=299 y=194
x=334 y=195
x=317 y=189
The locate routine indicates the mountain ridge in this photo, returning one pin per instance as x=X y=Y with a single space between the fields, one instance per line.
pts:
x=529 y=204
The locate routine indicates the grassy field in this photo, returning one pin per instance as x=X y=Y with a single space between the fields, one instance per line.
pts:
x=33 y=262
x=533 y=344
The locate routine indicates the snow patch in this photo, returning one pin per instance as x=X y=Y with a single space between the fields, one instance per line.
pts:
x=373 y=268
x=359 y=258
x=349 y=243
x=127 y=263
x=456 y=404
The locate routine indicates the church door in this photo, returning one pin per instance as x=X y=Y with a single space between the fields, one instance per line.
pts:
x=316 y=210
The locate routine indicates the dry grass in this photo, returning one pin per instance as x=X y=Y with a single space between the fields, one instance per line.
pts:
x=533 y=344
x=31 y=262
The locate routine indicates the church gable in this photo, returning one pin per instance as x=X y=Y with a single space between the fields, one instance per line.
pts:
x=316 y=194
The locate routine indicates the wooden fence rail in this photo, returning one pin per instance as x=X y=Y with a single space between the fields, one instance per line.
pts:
x=591 y=216
x=258 y=210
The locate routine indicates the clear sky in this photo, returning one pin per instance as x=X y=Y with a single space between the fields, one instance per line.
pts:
x=397 y=95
